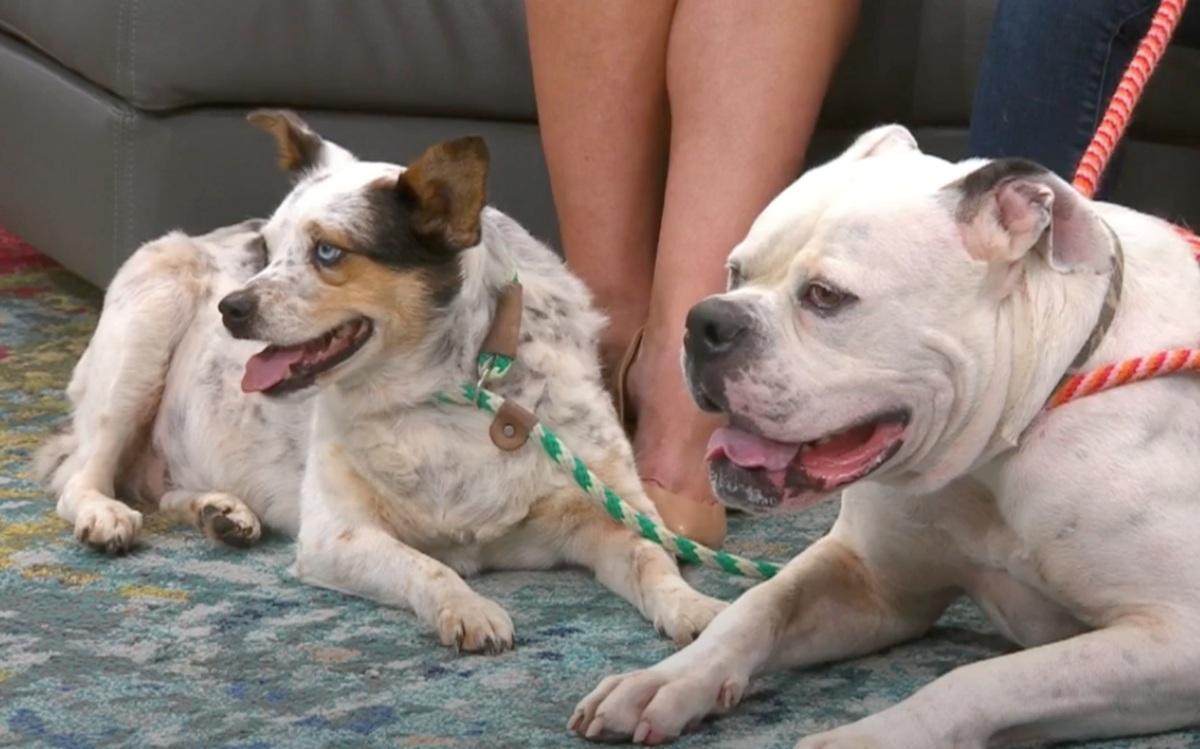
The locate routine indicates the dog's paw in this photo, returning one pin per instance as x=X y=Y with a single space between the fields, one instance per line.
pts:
x=683 y=614
x=225 y=518
x=473 y=624
x=108 y=525
x=655 y=705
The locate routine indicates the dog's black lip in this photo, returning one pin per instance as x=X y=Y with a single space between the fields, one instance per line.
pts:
x=309 y=378
x=706 y=403
x=747 y=483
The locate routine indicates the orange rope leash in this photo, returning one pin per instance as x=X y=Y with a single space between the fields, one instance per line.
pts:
x=1131 y=370
x=1120 y=108
x=1087 y=177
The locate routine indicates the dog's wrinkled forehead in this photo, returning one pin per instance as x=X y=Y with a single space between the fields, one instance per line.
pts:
x=846 y=208
x=857 y=208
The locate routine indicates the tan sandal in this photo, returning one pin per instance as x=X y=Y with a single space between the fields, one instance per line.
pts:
x=703 y=522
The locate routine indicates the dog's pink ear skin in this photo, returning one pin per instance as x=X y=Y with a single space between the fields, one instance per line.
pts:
x=1009 y=207
x=298 y=147
x=881 y=141
x=446 y=190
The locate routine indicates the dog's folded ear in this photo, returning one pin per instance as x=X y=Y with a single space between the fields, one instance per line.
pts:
x=445 y=190
x=1011 y=206
x=880 y=141
x=299 y=148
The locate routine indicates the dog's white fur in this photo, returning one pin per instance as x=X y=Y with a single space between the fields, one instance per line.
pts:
x=1074 y=530
x=389 y=497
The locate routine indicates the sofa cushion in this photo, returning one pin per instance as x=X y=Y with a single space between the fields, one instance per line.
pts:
x=390 y=56
x=910 y=62
x=409 y=56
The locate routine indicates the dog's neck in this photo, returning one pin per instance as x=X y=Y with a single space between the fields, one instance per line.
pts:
x=1045 y=324
x=1041 y=326
x=1071 y=309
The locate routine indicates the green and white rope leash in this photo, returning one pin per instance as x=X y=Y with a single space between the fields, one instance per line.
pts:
x=494 y=366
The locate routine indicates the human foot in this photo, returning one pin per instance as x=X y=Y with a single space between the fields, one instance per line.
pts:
x=669 y=441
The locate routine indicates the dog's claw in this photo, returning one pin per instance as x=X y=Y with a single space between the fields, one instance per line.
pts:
x=730 y=694
x=470 y=623
x=574 y=721
x=641 y=732
x=595 y=729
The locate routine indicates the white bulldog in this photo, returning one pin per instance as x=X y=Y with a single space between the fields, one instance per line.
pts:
x=895 y=324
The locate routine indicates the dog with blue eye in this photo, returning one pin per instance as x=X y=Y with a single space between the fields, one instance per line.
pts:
x=283 y=373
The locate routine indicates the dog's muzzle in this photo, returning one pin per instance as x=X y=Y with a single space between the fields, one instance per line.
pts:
x=715 y=340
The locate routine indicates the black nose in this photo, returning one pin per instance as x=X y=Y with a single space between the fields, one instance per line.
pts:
x=237 y=310
x=715 y=327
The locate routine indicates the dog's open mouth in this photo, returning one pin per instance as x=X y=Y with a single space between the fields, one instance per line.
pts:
x=283 y=369
x=758 y=473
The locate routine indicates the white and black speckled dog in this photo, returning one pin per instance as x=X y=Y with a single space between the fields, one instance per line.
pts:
x=375 y=286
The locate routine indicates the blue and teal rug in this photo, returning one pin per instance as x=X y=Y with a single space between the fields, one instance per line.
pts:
x=187 y=644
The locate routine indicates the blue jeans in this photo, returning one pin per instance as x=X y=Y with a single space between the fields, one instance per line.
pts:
x=1049 y=70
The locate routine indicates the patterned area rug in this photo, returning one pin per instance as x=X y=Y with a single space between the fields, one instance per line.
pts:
x=184 y=643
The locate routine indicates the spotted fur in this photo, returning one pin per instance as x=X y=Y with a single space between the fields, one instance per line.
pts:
x=389 y=496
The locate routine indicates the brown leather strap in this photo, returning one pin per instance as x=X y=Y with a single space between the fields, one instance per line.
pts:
x=1108 y=311
x=506 y=325
x=511 y=427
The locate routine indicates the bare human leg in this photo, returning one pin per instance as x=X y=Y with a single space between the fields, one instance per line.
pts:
x=667 y=127
x=745 y=84
x=599 y=71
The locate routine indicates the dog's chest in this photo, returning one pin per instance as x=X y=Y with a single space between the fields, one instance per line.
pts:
x=440 y=481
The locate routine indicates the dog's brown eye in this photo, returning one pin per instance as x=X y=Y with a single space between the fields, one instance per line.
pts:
x=824 y=298
x=326 y=255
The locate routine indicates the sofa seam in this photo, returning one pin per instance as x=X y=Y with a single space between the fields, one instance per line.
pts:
x=131 y=49
x=117 y=146
x=128 y=121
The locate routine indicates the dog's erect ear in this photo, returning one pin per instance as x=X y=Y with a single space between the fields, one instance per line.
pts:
x=880 y=141
x=1011 y=206
x=445 y=190
x=299 y=148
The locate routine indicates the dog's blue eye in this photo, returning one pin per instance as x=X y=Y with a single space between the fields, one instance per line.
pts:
x=327 y=255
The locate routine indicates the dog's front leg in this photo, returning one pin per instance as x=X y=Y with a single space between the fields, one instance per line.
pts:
x=343 y=546
x=365 y=560
x=824 y=605
x=572 y=529
x=1139 y=675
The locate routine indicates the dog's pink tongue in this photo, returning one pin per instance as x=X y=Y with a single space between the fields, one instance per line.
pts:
x=269 y=367
x=747 y=450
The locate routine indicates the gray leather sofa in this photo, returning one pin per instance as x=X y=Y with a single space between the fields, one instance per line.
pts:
x=124 y=118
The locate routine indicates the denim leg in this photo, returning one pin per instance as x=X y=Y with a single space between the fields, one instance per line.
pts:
x=1188 y=32
x=1049 y=70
